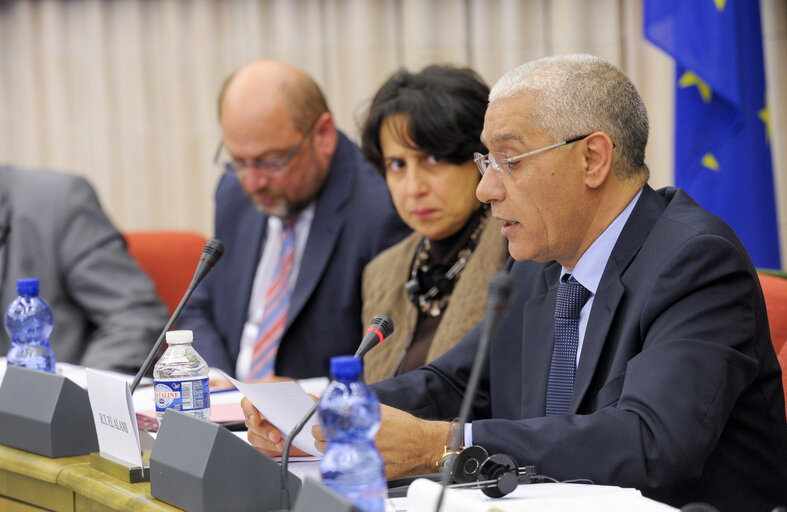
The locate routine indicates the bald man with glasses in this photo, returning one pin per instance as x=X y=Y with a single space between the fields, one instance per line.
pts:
x=300 y=212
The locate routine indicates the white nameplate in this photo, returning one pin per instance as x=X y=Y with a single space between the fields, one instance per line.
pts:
x=114 y=416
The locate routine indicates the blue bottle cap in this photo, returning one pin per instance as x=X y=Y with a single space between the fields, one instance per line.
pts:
x=345 y=367
x=27 y=286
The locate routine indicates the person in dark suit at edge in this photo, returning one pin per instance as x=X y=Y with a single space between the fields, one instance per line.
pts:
x=674 y=387
x=300 y=213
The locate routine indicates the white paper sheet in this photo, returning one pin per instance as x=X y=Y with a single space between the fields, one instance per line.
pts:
x=422 y=496
x=283 y=404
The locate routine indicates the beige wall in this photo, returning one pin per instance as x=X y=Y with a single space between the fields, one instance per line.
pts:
x=124 y=91
x=774 y=32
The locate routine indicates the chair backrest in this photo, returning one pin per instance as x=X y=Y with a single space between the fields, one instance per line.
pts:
x=774 y=288
x=783 y=361
x=169 y=258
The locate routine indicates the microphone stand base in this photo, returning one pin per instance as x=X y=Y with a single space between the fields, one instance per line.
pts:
x=122 y=470
x=46 y=414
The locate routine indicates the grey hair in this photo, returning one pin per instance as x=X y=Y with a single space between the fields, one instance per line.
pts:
x=576 y=94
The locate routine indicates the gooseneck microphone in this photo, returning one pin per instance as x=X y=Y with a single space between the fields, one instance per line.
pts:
x=500 y=288
x=700 y=507
x=380 y=328
x=212 y=253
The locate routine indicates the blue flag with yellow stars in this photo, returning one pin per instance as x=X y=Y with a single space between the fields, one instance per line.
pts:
x=722 y=123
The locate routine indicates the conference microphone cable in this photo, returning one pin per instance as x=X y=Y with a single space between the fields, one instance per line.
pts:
x=500 y=289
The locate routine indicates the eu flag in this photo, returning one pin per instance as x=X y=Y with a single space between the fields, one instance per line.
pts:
x=722 y=124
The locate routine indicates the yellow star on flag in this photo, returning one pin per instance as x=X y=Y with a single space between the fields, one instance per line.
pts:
x=720 y=4
x=765 y=116
x=688 y=78
x=710 y=162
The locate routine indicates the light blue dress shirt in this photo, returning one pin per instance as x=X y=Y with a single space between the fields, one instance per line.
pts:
x=588 y=272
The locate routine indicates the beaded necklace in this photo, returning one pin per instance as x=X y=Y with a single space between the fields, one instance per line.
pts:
x=433 y=301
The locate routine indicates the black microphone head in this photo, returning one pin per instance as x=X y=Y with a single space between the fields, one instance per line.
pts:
x=213 y=251
x=698 y=507
x=500 y=288
x=384 y=324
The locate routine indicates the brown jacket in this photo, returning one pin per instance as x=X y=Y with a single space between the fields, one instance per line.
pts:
x=384 y=294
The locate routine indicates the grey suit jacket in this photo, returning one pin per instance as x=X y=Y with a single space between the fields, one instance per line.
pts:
x=106 y=311
x=678 y=391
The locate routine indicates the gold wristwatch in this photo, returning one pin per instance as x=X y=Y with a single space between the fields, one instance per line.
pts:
x=450 y=454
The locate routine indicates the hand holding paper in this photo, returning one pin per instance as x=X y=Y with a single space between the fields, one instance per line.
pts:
x=283 y=404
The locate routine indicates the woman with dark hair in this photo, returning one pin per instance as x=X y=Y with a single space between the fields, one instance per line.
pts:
x=420 y=132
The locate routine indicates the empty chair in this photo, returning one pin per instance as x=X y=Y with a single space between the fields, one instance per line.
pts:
x=169 y=258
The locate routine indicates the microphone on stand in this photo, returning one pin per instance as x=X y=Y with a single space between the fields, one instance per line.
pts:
x=699 y=507
x=380 y=328
x=212 y=253
x=500 y=288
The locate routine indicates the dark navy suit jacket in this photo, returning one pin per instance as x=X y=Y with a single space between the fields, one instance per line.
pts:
x=678 y=390
x=353 y=221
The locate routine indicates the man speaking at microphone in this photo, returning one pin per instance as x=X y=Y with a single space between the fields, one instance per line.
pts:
x=300 y=213
x=635 y=350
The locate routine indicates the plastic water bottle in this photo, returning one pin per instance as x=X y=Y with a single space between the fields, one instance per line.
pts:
x=180 y=378
x=349 y=415
x=28 y=321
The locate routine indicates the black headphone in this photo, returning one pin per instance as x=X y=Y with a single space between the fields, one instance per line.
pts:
x=496 y=475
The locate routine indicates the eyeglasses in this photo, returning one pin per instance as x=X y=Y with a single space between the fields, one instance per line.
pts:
x=274 y=166
x=502 y=164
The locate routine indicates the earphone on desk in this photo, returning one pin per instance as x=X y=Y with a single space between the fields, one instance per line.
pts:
x=496 y=475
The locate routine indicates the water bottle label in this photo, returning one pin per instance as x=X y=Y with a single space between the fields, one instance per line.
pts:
x=182 y=395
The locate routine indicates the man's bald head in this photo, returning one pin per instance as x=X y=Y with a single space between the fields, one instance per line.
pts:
x=263 y=87
x=278 y=135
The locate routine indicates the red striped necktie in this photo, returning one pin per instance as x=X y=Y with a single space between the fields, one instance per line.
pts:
x=277 y=304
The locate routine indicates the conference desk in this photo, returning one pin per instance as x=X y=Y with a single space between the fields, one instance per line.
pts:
x=30 y=482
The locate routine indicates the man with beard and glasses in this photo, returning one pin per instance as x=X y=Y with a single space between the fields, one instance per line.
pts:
x=300 y=212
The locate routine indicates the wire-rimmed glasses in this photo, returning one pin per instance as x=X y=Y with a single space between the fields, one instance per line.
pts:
x=274 y=166
x=502 y=164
